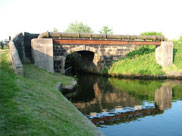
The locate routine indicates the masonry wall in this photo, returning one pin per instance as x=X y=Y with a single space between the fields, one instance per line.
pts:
x=42 y=52
x=22 y=43
x=27 y=45
x=58 y=53
x=18 y=41
x=15 y=59
x=109 y=53
x=114 y=52
x=164 y=54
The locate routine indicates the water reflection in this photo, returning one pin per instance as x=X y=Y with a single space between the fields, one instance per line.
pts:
x=108 y=101
x=104 y=101
x=163 y=97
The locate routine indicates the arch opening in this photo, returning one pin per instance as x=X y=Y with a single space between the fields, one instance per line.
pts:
x=83 y=59
x=80 y=61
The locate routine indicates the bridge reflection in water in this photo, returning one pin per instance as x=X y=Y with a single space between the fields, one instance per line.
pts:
x=112 y=101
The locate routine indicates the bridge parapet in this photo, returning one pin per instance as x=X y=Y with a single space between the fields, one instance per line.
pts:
x=84 y=36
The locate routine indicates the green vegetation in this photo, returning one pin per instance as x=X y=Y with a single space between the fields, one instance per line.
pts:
x=3 y=50
x=141 y=61
x=78 y=27
x=55 y=29
x=106 y=30
x=152 y=33
x=180 y=39
x=32 y=106
x=178 y=54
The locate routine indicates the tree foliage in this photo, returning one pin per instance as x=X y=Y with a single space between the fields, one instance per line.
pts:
x=152 y=34
x=106 y=30
x=78 y=27
x=180 y=38
x=55 y=29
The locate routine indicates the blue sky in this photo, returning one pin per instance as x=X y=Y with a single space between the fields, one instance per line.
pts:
x=124 y=16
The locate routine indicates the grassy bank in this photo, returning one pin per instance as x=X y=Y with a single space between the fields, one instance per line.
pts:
x=142 y=62
x=178 y=54
x=32 y=105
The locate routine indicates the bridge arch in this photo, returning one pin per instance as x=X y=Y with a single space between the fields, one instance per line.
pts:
x=97 y=58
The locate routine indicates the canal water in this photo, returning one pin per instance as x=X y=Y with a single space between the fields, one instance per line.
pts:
x=120 y=107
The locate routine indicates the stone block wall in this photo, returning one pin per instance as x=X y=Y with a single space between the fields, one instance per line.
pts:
x=42 y=51
x=164 y=54
x=27 y=45
x=114 y=52
x=15 y=59
x=58 y=53
x=22 y=42
x=18 y=41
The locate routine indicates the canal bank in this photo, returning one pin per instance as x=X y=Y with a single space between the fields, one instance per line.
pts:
x=173 y=75
x=32 y=105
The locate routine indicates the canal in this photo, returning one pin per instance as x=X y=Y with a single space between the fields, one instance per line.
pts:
x=130 y=107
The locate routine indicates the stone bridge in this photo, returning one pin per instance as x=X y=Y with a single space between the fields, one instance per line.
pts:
x=93 y=51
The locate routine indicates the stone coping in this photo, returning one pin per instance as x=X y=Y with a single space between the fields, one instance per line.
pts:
x=16 y=62
x=59 y=35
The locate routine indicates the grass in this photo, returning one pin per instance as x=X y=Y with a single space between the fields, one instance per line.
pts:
x=4 y=50
x=32 y=106
x=178 y=54
x=39 y=75
x=142 y=62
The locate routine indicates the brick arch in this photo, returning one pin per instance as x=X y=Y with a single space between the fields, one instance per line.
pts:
x=98 y=57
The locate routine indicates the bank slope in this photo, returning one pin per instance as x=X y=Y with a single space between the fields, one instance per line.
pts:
x=142 y=62
x=32 y=106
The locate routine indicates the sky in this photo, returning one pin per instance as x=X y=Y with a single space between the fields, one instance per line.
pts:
x=123 y=16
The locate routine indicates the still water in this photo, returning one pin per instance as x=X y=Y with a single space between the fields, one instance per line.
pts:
x=120 y=107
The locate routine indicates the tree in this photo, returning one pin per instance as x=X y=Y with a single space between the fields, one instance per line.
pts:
x=55 y=29
x=78 y=27
x=180 y=38
x=152 y=34
x=106 y=30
